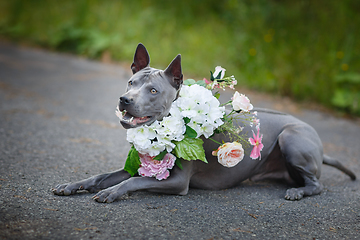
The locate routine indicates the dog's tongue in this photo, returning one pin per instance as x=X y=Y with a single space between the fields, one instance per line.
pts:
x=129 y=119
x=138 y=120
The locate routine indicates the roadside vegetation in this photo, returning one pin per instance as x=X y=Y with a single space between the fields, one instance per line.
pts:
x=307 y=50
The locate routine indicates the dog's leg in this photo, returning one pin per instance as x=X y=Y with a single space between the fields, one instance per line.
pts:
x=302 y=149
x=176 y=183
x=92 y=184
x=312 y=187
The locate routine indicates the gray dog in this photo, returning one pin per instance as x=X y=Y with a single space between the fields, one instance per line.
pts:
x=292 y=149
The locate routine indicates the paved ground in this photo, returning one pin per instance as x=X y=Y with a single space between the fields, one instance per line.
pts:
x=57 y=124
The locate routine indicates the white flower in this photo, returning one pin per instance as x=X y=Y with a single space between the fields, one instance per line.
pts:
x=175 y=112
x=213 y=102
x=187 y=106
x=194 y=125
x=170 y=127
x=229 y=154
x=196 y=103
x=218 y=122
x=201 y=111
x=202 y=108
x=215 y=115
x=241 y=102
x=153 y=150
x=157 y=137
x=207 y=130
x=233 y=80
x=218 y=70
x=141 y=136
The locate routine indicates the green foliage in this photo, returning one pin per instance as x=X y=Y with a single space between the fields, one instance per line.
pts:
x=191 y=133
x=132 y=163
x=347 y=94
x=190 y=82
x=293 y=48
x=161 y=155
x=190 y=149
x=178 y=163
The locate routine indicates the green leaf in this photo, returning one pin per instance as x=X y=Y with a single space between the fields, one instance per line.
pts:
x=190 y=149
x=351 y=77
x=341 y=98
x=217 y=95
x=187 y=120
x=132 y=163
x=201 y=83
x=216 y=77
x=189 y=82
x=178 y=163
x=346 y=99
x=161 y=155
x=191 y=133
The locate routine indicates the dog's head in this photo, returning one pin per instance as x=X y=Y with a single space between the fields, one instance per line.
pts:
x=150 y=92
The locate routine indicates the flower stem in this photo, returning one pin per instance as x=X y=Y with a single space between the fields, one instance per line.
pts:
x=232 y=111
x=226 y=103
x=215 y=141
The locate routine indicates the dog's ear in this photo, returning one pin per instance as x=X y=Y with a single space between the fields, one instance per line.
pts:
x=141 y=59
x=174 y=72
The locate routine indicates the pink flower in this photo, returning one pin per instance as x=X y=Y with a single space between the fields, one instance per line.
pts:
x=229 y=154
x=155 y=168
x=258 y=146
x=256 y=122
x=206 y=81
x=241 y=102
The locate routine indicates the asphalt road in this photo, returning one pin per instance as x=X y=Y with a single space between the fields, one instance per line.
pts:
x=57 y=124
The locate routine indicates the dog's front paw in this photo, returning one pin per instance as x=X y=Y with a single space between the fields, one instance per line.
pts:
x=294 y=194
x=108 y=195
x=66 y=189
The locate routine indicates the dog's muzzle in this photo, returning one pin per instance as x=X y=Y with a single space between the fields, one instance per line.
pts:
x=128 y=120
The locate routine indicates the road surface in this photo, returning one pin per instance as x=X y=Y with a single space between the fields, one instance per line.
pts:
x=57 y=124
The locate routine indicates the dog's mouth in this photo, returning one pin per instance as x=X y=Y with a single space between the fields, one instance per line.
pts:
x=130 y=121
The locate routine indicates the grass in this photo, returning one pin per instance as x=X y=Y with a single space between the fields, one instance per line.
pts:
x=308 y=50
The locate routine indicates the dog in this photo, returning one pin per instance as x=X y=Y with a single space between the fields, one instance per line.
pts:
x=292 y=149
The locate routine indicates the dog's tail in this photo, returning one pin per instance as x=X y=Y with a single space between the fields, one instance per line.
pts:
x=336 y=164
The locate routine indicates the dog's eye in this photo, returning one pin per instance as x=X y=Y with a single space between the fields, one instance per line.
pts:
x=130 y=83
x=153 y=91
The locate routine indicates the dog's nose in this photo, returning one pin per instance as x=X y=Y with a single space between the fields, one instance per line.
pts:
x=125 y=100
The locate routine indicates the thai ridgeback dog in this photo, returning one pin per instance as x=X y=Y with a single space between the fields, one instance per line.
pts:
x=292 y=149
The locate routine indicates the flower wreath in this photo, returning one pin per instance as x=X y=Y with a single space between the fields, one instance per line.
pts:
x=197 y=112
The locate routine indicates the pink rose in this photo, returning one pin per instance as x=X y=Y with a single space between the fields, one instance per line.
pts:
x=229 y=154
x=241 y=102
x=155 y=168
